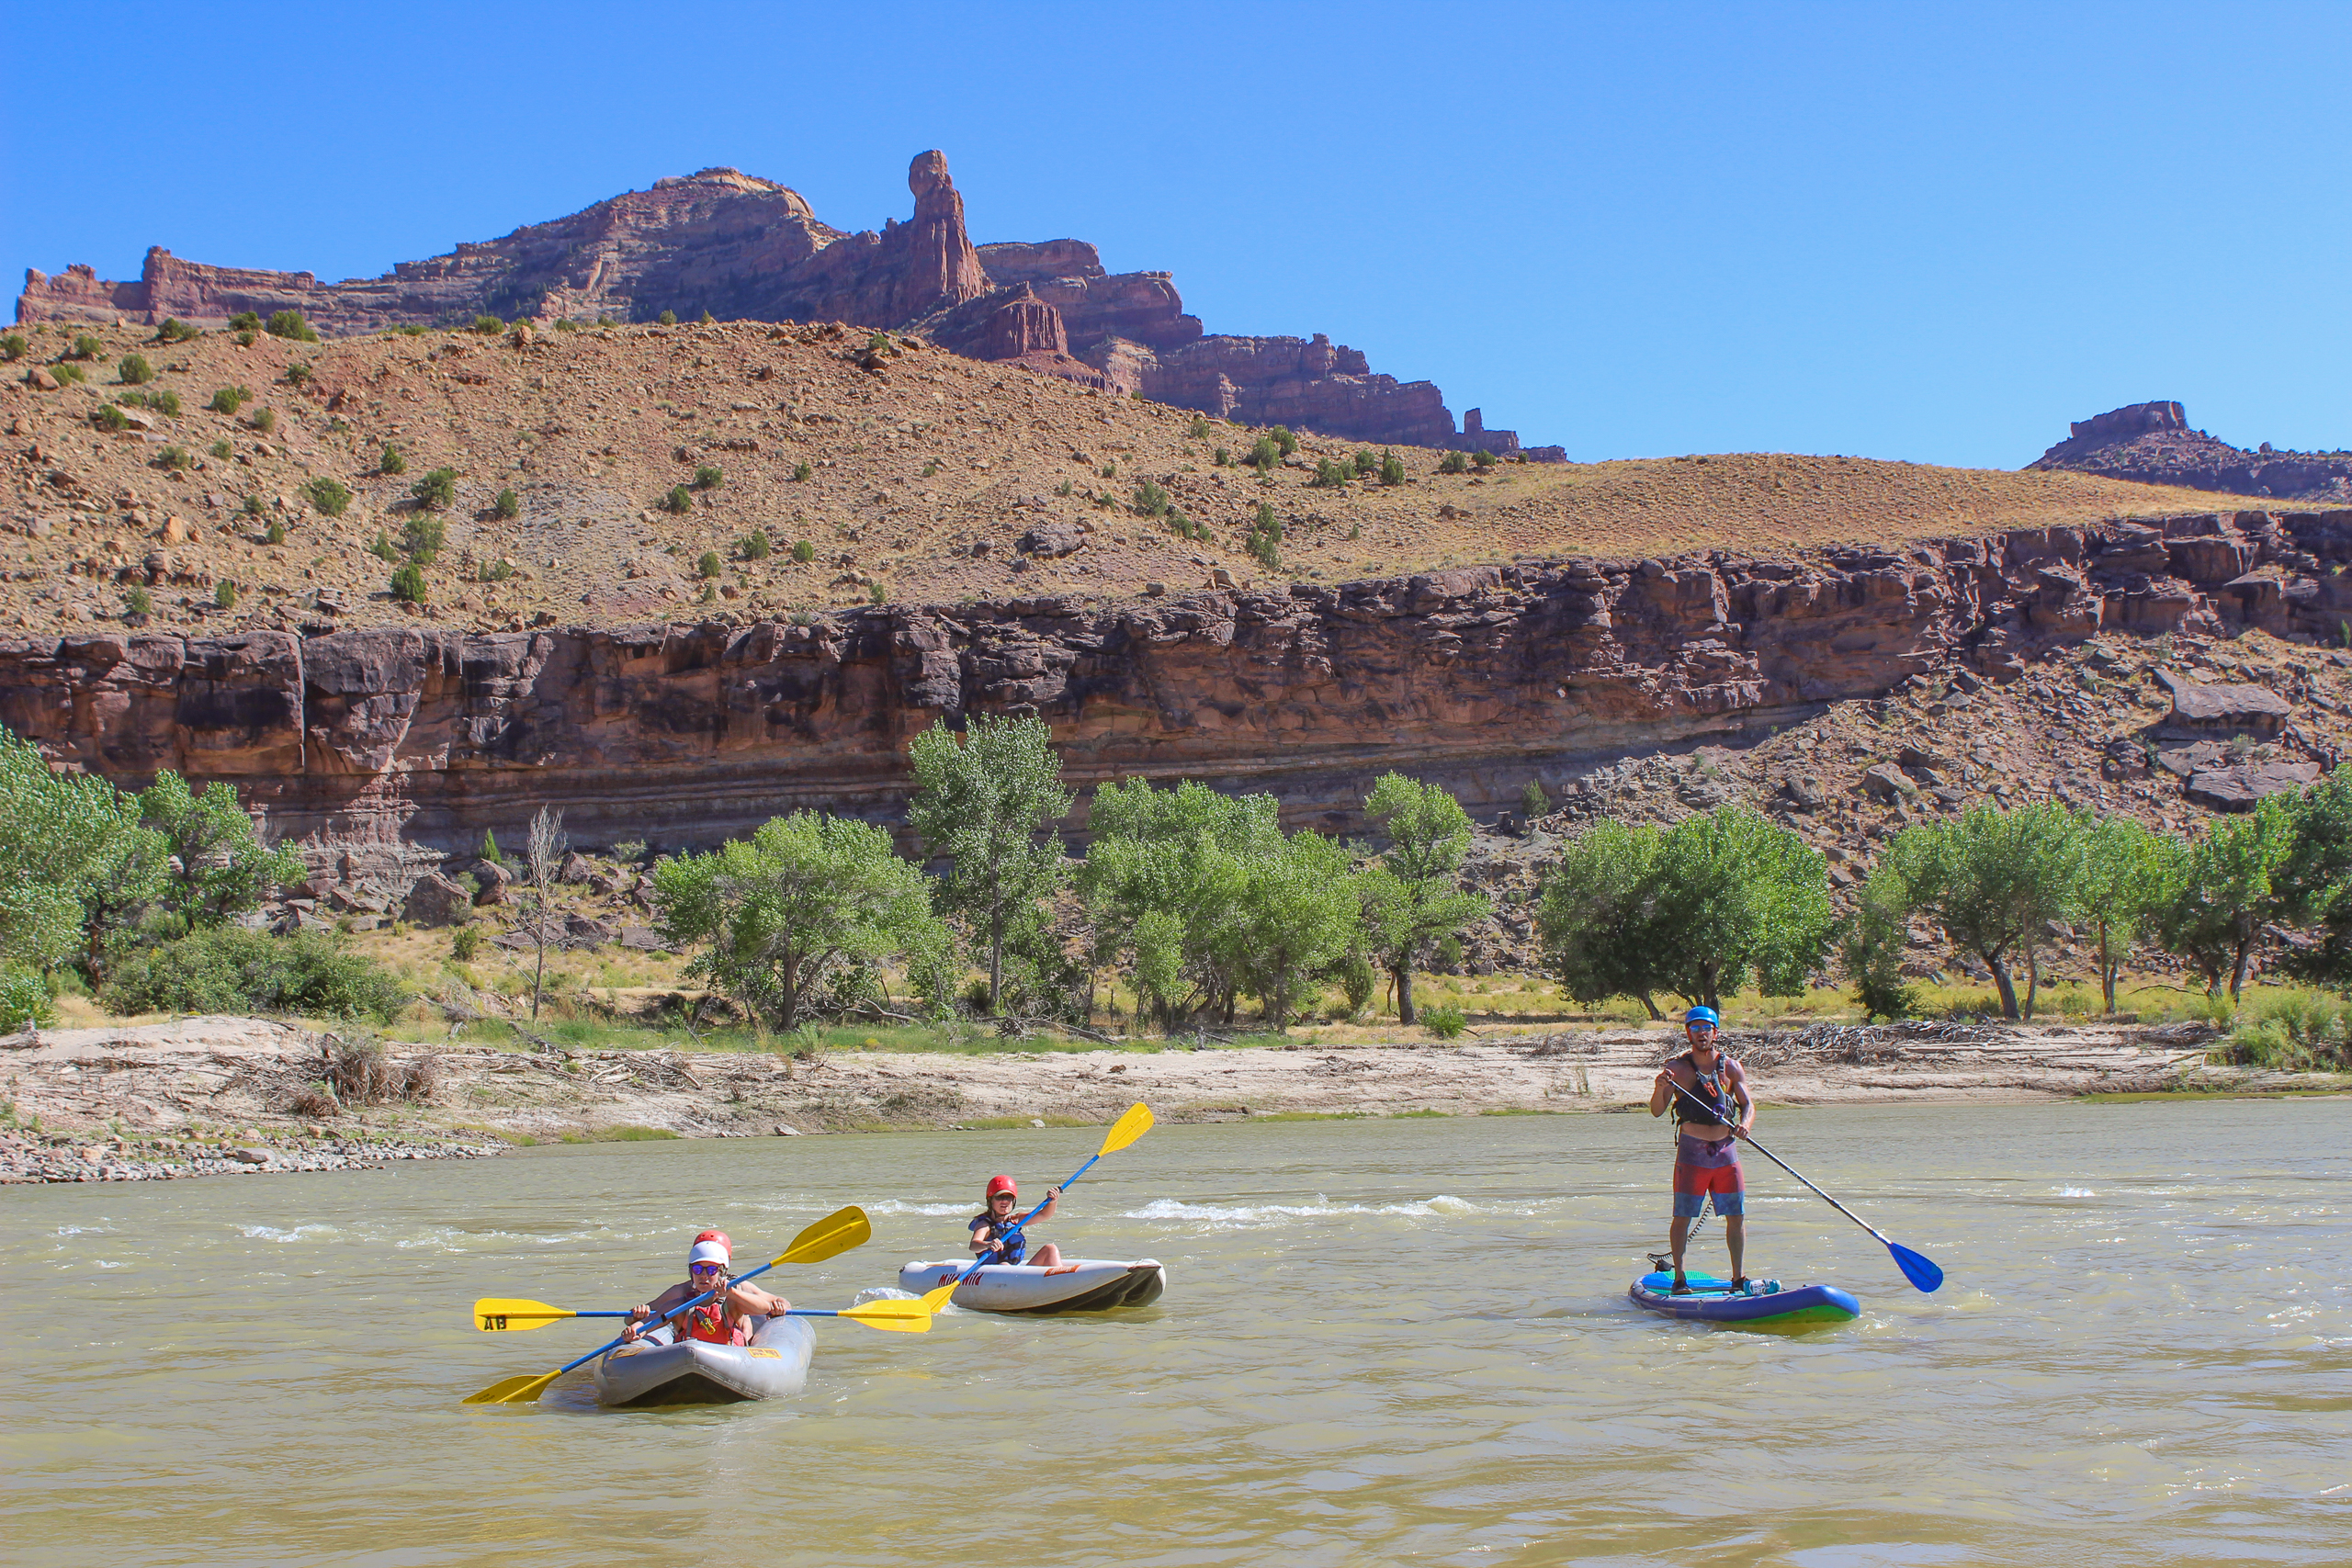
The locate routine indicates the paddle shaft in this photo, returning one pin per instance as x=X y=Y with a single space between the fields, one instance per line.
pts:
x=1749 y=1138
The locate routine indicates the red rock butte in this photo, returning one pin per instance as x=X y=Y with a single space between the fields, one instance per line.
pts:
x=742 y=248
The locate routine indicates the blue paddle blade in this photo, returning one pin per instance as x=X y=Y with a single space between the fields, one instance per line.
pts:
x=1919 y=1271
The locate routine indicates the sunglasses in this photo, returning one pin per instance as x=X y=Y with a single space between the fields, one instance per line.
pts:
x=706 y=1268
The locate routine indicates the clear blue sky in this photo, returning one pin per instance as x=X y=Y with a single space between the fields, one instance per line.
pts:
x=1902 y=230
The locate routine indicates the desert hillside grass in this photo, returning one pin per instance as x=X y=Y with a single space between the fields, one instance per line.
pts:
x=738 y=470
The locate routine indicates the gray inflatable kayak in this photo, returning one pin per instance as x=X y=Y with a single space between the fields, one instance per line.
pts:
x=655 y=1370
x=1078 y=1284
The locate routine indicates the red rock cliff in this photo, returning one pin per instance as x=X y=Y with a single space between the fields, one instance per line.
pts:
x=684 y=734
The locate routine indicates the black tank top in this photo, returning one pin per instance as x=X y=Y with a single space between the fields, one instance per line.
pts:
x=1714 y=1091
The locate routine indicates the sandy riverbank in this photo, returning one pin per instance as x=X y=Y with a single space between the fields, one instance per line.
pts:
x=219 y=1095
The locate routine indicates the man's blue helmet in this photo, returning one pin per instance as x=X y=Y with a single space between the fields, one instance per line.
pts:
x=1702 y=1015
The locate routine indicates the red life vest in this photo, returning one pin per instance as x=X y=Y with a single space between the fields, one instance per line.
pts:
x=708 y=1323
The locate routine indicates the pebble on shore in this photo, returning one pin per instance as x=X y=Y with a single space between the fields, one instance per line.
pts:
x=29 y=1156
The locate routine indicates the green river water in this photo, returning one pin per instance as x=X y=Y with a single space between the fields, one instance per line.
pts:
x=1383 y=1341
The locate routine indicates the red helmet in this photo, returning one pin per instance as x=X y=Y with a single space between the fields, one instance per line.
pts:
x=1001 y=1184
x=711 y=1246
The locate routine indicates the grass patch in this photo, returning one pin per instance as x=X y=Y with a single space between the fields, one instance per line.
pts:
x=624 y=1133
x=1313 y=1116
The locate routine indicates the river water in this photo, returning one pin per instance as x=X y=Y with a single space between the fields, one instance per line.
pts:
x=1384 y=1341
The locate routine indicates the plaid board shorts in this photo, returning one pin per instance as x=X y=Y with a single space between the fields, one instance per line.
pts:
x=1701 y=1169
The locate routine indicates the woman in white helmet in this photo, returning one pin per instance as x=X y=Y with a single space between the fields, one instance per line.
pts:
x=722 y=1320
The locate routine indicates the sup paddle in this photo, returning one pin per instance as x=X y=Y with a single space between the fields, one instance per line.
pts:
x=502 y=1314
x=836 y=1233
x=1124 y=1131
x=1921 y=1272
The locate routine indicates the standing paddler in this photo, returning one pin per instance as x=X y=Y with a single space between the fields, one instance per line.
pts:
x=1706 y=1154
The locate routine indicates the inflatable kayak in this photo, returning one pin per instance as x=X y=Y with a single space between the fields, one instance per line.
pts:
x=1713 y=1301
x=1078 y=1284
x=655 y=1370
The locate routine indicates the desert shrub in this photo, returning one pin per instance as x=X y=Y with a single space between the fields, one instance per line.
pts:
x=174 y=330
x=276 y=533
x=1283 y=440
x=1265 y=540
x=628 y=852
x=709 y=477
x=290 y=324
x=1445 y=1022
x=229 y=399
x=246 y=322
x=708 y=566
x=490 y=850
x=252 y=506
x=1151 y=500
x=1453 y=463
x=1264 y=453
x=134 y=369
x=230 y=969
x=265 y=420
x=877 y=594
x=1535 y=800
x=2292 y=1031
x=329 y=496
x=139 y=601
x=383 y=548
x=298 y=375
x=508 y=504
x=391 y=462
x=804 y=551
x=1200 y=428
x=437 y=491
x=1366 y=464
x=174 y=457
x=1222 y=458
x=225 y=594
x=566 y=325
x=489 y=326
x=13 y=345
x=1332 y=475
x=801 y=472
x=109 y=417
x=679 y=498
x=465 y=942
x=165 y=401
x=24 y=999
x=87 y=347
x=1483 y=460
x=1392 y=469
x=245 y=340
x=408 y=584
x=753 y=547
x=67 y=371
x=410 y=329
x=668 y=317
x=423 y=539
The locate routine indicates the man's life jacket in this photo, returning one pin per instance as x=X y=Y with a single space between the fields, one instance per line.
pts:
x=1714 y=1091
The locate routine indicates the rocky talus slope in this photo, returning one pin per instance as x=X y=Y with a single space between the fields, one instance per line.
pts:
x=742 y=248
x=2151 y=443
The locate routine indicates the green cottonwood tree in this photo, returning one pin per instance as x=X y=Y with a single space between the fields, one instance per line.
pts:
x=1410 y=899
x=805 y=895
x=224 y=869
x=2220 y=891
x=2121 y=877
x=61 y=837
x=989 y=804
x=1991 y=880
x=1595 y=916
x=2315 y=884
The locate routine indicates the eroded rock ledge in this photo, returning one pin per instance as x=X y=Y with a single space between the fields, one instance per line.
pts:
x=390 y=743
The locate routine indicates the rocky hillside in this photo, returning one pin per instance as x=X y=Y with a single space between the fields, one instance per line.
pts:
x=727 y=245
x=2151 y=443
x=914 y=473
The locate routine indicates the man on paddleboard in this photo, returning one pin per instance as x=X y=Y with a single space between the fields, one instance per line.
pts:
x=723 y=1320
x=1004 y=1200
x=1706 y=1154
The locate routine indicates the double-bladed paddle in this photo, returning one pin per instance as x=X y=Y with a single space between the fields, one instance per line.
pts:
x=1124 y=1131
x=503 y=1315
x=836 y=1233
x=1921 y=1272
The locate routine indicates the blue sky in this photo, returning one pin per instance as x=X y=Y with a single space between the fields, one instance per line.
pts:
x=1926 y=232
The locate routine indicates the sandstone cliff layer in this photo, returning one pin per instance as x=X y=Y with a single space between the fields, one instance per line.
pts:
x=743 y=248
x=1482 y=676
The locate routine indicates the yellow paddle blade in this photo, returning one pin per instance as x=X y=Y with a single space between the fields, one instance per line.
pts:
x=837 y=1232
x=1128 y=1128
x=897 y=1318
x=513 y=1391
x=507 y=1314
x=936 y=1299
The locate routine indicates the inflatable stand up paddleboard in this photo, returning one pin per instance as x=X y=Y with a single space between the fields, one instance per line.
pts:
x=1713 y=1300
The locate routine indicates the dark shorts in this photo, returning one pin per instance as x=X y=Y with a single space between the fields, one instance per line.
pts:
x=1703 y=1170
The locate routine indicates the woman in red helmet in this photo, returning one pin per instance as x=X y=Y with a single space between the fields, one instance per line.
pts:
x=724 y=1319
x=996 y=1219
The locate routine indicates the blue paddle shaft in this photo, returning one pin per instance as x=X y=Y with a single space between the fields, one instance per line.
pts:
x=1921 y=1272
x=653 y=1323
x=1014 y=1228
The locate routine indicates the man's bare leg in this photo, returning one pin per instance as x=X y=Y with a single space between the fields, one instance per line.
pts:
x=1736 y=1237
x=1676 y=1234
